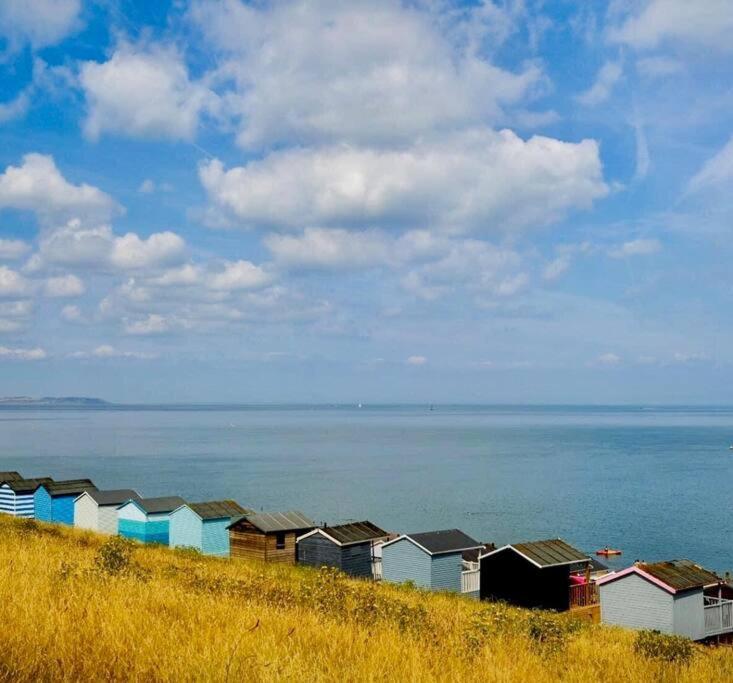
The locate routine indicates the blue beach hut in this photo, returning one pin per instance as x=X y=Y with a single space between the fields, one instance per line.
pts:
x=433 y=559
x=203 y=526
x=147 y=519
x=54 y=500
x=16 y=496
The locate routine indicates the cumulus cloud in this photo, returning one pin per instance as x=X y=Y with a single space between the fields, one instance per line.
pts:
x=476 y=181
x=609 y=359
x=64 y=286
x=315 y=71
x=37 y=185
x=707 y=24
x=716 y=171
x=239 y=275
x=72 y=313
x=108 y=351
x=22 y=354
x=12 y=283
x=13 y=249
x=150 y=325
x=416 y=360
x=638 y=247
x=607 y=78
x=39 y=23
x=143 y=92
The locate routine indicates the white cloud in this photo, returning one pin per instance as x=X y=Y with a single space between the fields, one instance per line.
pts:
x=38 y=22
x=105 y=351
x=609 y=359
x=12 y=283
x=22 y=354
x=64 y=286
x=556 y=268
x=72 y=313
x=643 y=159
x=480 y=181
x=76 y=244
x=637 y=247
x=152 y=324
x=416 y=360
x=38 y=186
x=13 y=249
x=239 y=275
x=706 y=23
x=658 y=66
x=147 y=186
x=315 y=71
x=716 y=171
x=607 y=78
x=15 y=108
x=143 y=92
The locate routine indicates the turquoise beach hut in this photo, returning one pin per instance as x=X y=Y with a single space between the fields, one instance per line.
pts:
x=54 y=501
x=16 y=496
x=147 y=519
x=203 y=526
x=433 y=560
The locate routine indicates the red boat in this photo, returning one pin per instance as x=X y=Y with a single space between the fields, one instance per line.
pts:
x=608 y=551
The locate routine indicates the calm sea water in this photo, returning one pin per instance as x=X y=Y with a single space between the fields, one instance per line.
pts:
x=655 y=482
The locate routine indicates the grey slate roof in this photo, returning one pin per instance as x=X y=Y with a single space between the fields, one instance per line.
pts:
x=444 y=541
x=550 y=553
x=355 y=532
x=681 y=574
x=69 y=487
x=9 y=476
x=113 y=497
x=272 y=522
x=219 y=509
x=159 y=505
x=27 y=485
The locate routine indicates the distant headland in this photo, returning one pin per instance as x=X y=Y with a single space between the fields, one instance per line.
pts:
x=51 y=401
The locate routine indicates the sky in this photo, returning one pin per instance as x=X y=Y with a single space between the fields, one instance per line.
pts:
x=518 y=201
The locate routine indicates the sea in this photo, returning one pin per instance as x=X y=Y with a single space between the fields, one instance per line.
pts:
x=655 y=482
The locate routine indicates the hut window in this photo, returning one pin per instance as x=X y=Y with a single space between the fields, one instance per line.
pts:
x=280 y=540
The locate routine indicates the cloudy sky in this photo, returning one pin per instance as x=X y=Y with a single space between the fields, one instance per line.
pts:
x=314 y=200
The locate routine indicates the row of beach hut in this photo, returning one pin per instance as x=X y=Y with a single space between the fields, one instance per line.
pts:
x=677 y=597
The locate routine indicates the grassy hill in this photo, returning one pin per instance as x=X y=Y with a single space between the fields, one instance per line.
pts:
x=78 y=606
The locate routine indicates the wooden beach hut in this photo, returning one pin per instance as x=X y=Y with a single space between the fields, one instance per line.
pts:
x=54 y=501
x=348 y=547
x=147 y=519
x=203 y=526
x=268 y=536
x=97 y=510
x=538 y=574
x=11 y=475
x=16 y=496
x=678 y=597
x=433 y=559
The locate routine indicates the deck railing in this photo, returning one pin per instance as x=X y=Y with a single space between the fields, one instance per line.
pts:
x=718 y=616
x=471 y=581
x=584 y=595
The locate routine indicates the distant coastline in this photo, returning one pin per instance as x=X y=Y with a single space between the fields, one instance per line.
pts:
x=70 y=401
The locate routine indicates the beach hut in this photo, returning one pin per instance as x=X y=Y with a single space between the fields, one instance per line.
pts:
x=203 y=526
x=54 y=501
x=10 y=476
x=16 y=496
x=348 y=547
x=97 y=510
x=147 y=519
x=267 y=536
x=433 y=559
x=678 y=597
x=538 y=574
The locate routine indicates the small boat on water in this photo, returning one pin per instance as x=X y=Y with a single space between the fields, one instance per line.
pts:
x=607 y=552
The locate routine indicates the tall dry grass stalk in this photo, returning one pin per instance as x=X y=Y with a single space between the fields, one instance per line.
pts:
x=77 y=606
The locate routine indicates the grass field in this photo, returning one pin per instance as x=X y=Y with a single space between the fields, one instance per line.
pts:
x=78 y=606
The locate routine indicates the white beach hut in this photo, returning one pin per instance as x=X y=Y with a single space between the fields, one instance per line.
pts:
x=97 y=510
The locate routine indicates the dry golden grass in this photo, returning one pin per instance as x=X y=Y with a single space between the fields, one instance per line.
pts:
x=75 y=608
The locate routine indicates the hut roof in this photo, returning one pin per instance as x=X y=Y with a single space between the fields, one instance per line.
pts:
x=9 y=476
x=69 y=487
x=272 y=522
x=27 y=485
x=350 y=534
x=553 y=552
x=439 y=542
x=674 y=575
x=218 y=509
x=158 y=505
x=113 y=497
x=474 y=554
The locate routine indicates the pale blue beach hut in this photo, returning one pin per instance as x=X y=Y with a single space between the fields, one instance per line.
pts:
x=54 y=500
x=147 y=519
x=432 y=560
x=203 y=526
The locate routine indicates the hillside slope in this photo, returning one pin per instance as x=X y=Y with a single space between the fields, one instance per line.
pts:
x=79 y=606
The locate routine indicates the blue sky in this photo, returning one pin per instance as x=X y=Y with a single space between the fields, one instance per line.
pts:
x=389 y=201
